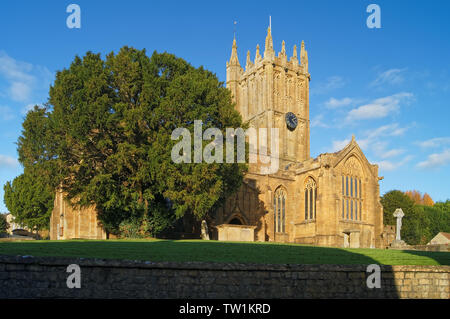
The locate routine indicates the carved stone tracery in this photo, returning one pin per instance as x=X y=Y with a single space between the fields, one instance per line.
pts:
x=352 y=167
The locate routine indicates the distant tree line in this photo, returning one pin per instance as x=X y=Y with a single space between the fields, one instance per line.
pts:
x=422 y=220
x=420 y=199
x=104 y=138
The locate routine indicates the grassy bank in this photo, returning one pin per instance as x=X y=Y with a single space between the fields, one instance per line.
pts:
x=214 y=251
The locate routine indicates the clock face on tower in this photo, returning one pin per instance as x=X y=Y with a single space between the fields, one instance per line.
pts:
x=291 y=121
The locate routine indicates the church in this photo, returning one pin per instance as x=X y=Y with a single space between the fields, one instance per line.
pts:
x=330 y=200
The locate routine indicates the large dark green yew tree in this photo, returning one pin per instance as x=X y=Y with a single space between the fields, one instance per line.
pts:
x=107 y=138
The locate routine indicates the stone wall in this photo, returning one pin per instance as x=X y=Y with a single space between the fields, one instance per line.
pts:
x=45 y=277
x=437 y=247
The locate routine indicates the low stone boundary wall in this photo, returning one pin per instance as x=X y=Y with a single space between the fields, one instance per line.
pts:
x=46 y=277
x=436 y=247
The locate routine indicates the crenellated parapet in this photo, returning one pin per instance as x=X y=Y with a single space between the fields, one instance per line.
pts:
x=292 y=63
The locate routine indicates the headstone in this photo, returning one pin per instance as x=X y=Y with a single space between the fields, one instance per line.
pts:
x=205 y=234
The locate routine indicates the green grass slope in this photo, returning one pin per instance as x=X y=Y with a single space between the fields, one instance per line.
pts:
x=215 y=251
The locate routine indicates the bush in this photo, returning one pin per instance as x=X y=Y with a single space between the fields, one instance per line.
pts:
x=131 y=229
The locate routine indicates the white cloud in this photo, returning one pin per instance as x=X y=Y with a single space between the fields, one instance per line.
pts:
x=371 y=141
x=436 y=160
x=393 y=165
x=8 y=161
x=392 y=153
x=379 y=108
x=386 y=130
x=22 y=77
x=6 y=113
x=434 y=142
x=20 y=91
x=340 y=144
x=380 y=150
x=317 y=121
x=392 y=76
x=15 y=70
x=331 y=83
x=333 y=103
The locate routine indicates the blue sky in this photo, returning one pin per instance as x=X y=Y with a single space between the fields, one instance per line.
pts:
x=390 y=87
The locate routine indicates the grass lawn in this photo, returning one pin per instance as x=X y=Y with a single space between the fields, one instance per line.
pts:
x=215 y=251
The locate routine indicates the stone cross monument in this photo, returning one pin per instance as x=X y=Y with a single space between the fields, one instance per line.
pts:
x=205 y=233
x=398 y=242
x=399 y=215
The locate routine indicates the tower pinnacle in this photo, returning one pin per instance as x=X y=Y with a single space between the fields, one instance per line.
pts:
x=294 y=57
x=248 y=63
x=258 y=55
x=268 y=51
x=234 y=57
x=304 y=57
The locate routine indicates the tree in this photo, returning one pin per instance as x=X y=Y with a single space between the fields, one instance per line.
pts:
x=415 y=229
x=391 y=201
x=30 y=200
x=431 y=221
x=421 y=222
x=427 y=200
x=107 y=138
x=443 y=206
x=415 y=196
x=410 y=228
x=29 y=197
x=418 y=199
x=3 y=224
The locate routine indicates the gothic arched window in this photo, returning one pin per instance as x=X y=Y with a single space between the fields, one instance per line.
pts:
x=279 y=209
x=352 y=191
x=310 y=199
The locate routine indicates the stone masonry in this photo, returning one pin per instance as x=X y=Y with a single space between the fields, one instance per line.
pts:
x=45 y=277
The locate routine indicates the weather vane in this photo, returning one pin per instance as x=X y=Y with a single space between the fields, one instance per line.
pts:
x=234 y=28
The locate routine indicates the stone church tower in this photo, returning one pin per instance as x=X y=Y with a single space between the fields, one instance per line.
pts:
x=270 y=88
x=331 y=200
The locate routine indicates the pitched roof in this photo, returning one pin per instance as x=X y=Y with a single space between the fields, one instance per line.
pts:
x=447 y=235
